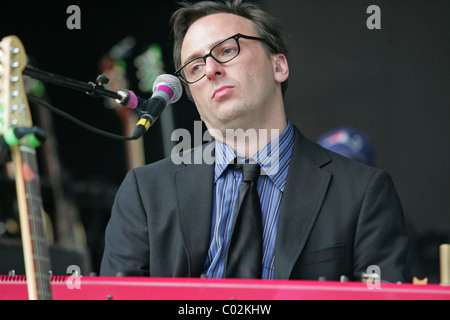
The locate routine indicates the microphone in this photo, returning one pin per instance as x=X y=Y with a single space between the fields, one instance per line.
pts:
x=167 y=89
x=166 y=83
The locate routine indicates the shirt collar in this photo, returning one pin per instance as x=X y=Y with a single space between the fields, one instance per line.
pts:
x=274 y=158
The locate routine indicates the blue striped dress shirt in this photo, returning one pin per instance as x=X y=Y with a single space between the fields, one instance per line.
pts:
x=274 y=160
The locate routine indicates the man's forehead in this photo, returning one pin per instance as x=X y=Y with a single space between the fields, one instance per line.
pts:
x=207 y=31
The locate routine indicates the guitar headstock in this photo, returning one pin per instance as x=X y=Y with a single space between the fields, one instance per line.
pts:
x=14 y=109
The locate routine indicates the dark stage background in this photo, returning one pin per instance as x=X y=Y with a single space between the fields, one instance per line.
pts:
x=392 y=83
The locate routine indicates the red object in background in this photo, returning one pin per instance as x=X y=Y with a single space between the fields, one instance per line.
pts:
x=105 y=288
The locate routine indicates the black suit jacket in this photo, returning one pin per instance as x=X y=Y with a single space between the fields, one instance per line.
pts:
x=338 y=217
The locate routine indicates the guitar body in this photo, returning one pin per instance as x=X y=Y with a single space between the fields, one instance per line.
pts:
x=15 y=113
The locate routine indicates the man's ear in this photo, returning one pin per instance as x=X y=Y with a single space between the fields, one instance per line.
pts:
x=281 y=67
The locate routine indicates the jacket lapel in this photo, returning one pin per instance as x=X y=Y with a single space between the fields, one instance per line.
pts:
x=195 y=185
x=304 y=194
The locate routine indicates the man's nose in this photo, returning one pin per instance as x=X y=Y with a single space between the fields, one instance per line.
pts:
x=213 y=68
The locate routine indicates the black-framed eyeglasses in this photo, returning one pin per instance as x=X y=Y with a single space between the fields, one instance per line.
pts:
x=223 y=52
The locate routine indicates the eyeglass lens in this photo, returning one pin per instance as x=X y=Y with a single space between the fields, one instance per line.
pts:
x=222 y=52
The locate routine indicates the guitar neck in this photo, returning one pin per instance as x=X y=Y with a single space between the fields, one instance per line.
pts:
x=34 y=239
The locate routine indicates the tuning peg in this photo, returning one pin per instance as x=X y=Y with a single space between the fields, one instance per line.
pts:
x=14 y=51
x=13 y=108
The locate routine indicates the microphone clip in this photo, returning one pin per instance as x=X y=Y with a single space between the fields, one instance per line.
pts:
x=99 y=82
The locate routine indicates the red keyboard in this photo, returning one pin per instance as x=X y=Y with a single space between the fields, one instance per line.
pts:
x=104 y=288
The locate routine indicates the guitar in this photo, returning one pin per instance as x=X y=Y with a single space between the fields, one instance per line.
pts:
x=149 y=66
x=69 y=232
x=116 y=73
x=15 y=114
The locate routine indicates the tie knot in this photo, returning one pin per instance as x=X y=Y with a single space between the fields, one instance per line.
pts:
x=250 y=172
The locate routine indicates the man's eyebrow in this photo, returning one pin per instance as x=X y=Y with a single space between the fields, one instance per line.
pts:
x=191 y=57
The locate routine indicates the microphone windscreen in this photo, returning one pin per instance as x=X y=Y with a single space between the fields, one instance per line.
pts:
x=172 y=82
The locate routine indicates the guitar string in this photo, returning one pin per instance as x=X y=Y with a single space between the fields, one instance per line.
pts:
x=32 y=199
x=31 y=194
x=35 y=220
x=40 y=225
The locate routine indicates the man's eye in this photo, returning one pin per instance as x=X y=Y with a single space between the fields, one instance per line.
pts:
x=229 y=51
x=226 y=52
x=196 y=68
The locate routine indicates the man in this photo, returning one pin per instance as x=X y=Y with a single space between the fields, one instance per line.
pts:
x=322 y=215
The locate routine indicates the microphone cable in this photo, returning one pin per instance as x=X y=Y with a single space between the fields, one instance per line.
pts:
x=136 y=134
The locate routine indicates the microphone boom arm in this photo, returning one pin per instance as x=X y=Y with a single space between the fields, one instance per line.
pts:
x=167 y=89
x=90 y=88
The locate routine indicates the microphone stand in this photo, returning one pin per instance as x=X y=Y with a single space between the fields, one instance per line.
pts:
x=93 y=89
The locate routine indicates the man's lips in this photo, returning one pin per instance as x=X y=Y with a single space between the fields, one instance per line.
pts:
x=222 y=91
